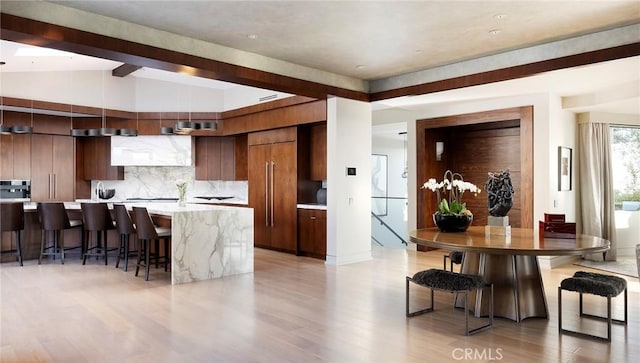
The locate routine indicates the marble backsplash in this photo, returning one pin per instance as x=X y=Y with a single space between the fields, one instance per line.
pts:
x=160 y=181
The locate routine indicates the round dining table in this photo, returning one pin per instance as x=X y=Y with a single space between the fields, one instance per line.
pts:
x=510 y=263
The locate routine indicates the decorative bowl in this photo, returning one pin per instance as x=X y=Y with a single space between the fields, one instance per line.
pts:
x=452 y=223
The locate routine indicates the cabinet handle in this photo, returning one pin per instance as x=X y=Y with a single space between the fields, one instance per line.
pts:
x=266 y=194
x=313 y=218
x=273 y=219
x=50 y=183
x=54 y=185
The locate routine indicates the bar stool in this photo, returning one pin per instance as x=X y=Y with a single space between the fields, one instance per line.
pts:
x=54 y=220
x=125 y=228
x=97 y=219
x=12 y=220
x=148 y=232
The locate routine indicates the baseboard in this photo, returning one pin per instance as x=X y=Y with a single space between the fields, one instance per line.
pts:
x=344 y=260
x=550 y=262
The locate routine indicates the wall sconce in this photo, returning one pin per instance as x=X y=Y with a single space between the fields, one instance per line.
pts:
x=439 y=150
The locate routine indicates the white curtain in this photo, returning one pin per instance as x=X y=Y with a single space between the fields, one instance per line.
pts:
x=596 y=185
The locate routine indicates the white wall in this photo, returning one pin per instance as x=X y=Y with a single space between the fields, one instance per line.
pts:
x=348 y=197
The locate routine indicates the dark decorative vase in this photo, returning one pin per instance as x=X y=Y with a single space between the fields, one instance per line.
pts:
x=452 y=223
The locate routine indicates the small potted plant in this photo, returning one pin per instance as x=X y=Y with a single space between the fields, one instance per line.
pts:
x=452 y=214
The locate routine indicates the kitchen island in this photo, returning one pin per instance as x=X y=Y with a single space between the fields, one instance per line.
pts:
x=208 y=241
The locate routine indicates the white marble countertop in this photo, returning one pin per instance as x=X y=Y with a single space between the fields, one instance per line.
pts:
x=153 y=207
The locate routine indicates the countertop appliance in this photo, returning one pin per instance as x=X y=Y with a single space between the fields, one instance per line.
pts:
x=15 y=189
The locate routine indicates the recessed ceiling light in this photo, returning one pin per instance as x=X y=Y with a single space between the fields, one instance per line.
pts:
x=500 y=16
x=252 y=36
x=495 y=31
x=418 y=51
x=359 y=66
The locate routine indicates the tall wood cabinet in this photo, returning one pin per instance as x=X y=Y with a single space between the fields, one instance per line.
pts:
x=273 y=188
x=52 y=168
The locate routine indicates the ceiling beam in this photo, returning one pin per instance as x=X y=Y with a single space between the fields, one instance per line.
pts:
x=28 y=31
x=37 y=33
x=124 y=70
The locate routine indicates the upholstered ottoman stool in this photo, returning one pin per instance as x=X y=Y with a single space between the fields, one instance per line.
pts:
x=451 y=282
x=597 y=284
x=454 y=257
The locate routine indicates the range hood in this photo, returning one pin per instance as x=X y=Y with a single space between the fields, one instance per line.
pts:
x=165 y=150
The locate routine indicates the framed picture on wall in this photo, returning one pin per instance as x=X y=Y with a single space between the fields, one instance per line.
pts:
x=379 y=187
x=565 y=162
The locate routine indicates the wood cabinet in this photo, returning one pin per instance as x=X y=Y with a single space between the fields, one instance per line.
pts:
x=319 y=152
x=312 y=233
x=96 y=159
x=15 y=156
x=52 y=168
x=272 y=188
x=215 y=158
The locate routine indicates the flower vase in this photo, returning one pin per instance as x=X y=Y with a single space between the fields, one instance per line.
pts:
x=452 y=222
x=182 y=197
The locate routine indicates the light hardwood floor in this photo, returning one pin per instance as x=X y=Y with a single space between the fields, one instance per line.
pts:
x=291 y=309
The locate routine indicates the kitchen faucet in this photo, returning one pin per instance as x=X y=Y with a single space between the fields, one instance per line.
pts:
x=99 y=186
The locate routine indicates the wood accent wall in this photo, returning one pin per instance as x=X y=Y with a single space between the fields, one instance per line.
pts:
x=475 y=144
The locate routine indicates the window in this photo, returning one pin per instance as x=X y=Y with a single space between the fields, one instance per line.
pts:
x=625 y=148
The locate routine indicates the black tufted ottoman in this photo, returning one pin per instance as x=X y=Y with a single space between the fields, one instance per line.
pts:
x=452 y=282
x=454 y=257
x=597 y=284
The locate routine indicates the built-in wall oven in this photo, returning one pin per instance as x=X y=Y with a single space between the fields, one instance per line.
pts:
x=15 y=189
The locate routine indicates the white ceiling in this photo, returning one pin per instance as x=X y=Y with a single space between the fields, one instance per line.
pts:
x=385 y=38
x=372 y=39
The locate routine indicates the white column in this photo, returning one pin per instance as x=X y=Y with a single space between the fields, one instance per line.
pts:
x=348 y=196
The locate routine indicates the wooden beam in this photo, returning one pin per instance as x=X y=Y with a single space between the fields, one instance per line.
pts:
x=29 y=31
x=124 y=70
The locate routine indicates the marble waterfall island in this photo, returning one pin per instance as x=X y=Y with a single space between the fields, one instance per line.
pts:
x=207 y=241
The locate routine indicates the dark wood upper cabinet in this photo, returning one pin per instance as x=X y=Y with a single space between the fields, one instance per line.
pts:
x=15 y=156
x=319 y=152
x=96 y=159
x=221 y=158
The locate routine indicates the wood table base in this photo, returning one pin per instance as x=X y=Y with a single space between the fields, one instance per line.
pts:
x=517 y=285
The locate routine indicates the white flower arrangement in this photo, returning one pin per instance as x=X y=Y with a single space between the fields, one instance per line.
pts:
x=455 y=186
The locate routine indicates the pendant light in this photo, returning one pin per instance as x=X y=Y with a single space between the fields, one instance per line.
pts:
x=165 y=130
x=24 y=129
x=405 y=172
x=129 y=132
x=4 y=130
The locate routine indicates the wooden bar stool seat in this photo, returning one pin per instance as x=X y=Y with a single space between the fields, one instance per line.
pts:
x=125 y=228
x=148 y=232
x=97 y=222
x=54 y=220
x=12 y=220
